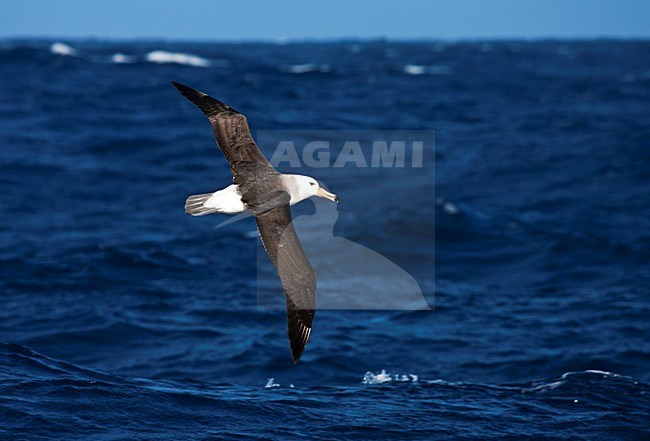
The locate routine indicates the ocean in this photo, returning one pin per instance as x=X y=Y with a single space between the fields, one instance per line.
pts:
x=525 y=228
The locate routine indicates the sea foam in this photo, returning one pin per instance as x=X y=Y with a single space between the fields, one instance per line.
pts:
x=59 y=48
x=417 y=69
x=385 y=377
x=164 y=57
x=119 y=58
x=306 y=68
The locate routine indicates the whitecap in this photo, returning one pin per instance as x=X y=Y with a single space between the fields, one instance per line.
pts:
x=121 y=58
x=164 y=57
x=385 y=377
x=417 y=69
x=305 y=68
x=567 y=377
x=59 y=48
x=270 y=384
x=597 y=372
x=450 y=208
x=414 y=69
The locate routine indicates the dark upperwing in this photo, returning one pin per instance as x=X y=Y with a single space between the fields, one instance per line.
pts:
x=232 y=134
x=258 y=183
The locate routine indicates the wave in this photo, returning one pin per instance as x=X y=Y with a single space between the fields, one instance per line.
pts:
x=418 y=69
x=306 y=68
x=587 y=377
x=384 y=377
x=59 y=400
x=164 y=57
x=270 y=384
x=20 y=362
x=567 y=377
x=63 y=49
x=120 y=58
x=23 y=360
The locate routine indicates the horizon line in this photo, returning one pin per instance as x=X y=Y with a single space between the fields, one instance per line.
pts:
x=325 y=40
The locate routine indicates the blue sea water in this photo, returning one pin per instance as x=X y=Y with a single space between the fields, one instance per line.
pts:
x=527 y=229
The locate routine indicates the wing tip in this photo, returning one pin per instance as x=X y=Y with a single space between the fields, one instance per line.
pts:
x=205 y=102
x=179 y=86
x=187 y=91
x=299 y=344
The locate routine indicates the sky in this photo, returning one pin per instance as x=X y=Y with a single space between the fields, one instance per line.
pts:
x=326 y=19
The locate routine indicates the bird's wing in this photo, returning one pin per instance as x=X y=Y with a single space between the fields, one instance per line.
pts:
x=232 y=134
x=296 y=273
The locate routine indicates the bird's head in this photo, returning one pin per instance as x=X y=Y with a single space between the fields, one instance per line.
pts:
x=310 y=187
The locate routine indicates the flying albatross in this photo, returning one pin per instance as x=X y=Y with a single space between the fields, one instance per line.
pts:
x=268 y=194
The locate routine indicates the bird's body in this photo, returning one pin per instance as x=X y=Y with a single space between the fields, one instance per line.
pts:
x=268 y=194
x=229 y=200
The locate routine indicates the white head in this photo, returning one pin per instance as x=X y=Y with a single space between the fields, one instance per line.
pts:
x=302 y=187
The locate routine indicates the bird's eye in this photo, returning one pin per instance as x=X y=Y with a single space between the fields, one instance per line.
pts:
x=312 y=183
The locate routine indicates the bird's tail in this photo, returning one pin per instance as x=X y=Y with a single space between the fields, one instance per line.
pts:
x=194 y=205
